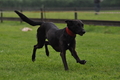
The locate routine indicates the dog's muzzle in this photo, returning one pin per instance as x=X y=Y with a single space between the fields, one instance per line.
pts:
x=81 y=33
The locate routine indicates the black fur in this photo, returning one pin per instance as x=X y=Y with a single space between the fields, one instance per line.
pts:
x=59 y=39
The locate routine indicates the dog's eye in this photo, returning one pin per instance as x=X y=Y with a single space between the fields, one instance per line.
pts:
x=78 y=24
x=81 y=25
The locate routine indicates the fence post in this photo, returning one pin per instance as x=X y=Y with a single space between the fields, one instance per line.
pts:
x=75 y=14
x=1 y=16
x=42 y=14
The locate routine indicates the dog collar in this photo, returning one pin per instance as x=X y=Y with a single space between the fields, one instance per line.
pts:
x=69 y=32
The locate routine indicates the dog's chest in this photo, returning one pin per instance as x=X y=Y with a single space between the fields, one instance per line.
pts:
x=69 y=41
x=68 y=44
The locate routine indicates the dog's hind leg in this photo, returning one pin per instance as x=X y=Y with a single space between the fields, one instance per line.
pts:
x=34 y=53
x=46 y=48
x=40 y=44
x=34 y=50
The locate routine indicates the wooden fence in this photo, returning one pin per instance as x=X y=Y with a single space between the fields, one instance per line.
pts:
x=89 y=22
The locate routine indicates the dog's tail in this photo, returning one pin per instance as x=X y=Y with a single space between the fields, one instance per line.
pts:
x=27 y=20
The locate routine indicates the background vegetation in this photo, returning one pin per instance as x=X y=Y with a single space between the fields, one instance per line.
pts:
x=56 y=3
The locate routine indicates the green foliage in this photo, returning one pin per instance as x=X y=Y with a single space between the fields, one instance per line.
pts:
x=99 y=46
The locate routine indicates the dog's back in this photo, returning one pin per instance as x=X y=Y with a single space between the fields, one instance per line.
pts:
x=49 y=27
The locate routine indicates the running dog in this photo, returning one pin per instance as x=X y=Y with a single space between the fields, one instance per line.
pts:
x=60 y=39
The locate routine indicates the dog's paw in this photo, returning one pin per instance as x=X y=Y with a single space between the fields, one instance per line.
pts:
x=33 y=59
x=83 y=62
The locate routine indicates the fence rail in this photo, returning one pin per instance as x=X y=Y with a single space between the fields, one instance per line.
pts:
x=89 y=22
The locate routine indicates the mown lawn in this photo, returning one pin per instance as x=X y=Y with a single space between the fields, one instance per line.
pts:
x=100 y=46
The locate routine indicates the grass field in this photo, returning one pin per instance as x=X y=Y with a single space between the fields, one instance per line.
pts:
x=100 y=46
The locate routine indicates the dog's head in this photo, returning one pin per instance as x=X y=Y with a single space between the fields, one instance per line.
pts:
x=76 y=26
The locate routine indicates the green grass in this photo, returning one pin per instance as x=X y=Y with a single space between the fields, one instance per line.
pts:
x=89 y=15
x=100 y=46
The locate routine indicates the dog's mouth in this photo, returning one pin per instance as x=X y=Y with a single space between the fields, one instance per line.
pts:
x=81 y=34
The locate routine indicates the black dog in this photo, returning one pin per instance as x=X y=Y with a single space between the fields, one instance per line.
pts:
x=59 y=39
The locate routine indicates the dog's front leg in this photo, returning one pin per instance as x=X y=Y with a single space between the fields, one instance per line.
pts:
x=63 y=56
x=74 y=54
